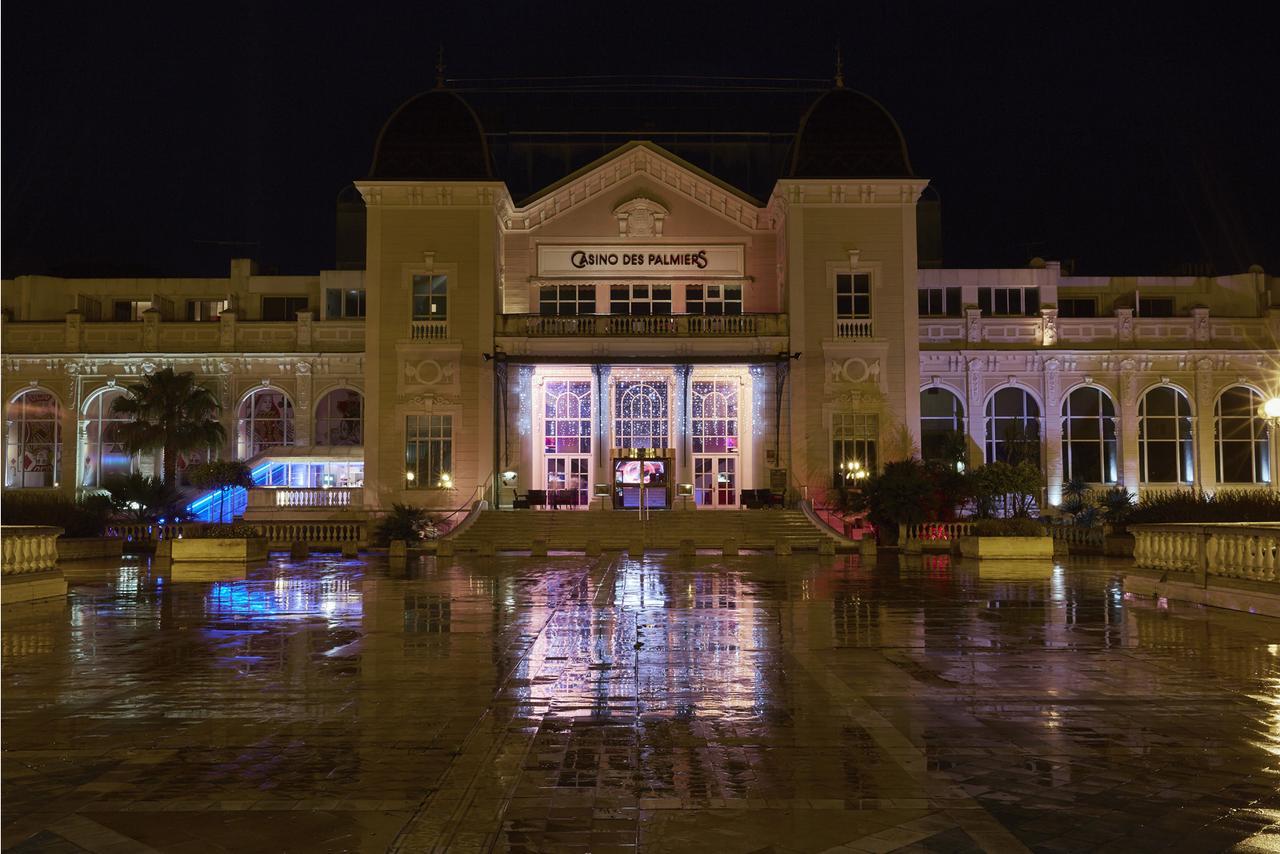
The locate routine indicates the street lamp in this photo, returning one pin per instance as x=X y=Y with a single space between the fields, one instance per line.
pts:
x=1270 y=410
x=853 y=470
x=446 y=481
x=409 y=477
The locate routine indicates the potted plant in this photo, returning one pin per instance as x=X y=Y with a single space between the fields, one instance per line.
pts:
x=238 y=542
x=1018 y=538
x=404 y=527
x=1004 y=495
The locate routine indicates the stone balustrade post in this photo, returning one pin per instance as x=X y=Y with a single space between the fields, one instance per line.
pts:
x=151 y=330
x=72 y=331
x=304 y=330
x=227 y=330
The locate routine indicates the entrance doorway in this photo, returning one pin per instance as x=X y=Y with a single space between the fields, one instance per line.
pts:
x=569 y=476
x=715 y=481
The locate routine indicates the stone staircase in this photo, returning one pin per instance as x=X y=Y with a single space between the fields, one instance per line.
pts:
x=573 y=530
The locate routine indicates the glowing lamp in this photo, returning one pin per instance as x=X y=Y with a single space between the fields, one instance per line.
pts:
x=409 y=476
x=446 y=481
x=1271 y=408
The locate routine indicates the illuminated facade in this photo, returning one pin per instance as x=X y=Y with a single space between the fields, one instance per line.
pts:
x=641 y=320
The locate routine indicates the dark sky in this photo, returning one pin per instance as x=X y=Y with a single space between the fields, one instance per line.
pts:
x=163 y=140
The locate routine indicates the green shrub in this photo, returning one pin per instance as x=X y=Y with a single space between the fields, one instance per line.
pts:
x=1225 y=505
x=142 y=499
x=1002 y=489
x=86 y=517
x=407 y=523
x=233 y=531
x=1015 y=527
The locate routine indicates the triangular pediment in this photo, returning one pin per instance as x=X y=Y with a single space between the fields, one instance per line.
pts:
x=664 y=170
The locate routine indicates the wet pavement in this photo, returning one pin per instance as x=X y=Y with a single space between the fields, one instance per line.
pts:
x=606 y=704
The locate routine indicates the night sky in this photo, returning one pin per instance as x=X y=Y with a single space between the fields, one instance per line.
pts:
x=165 y=140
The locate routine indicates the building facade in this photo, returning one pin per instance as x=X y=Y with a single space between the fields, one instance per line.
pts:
x=641 y=329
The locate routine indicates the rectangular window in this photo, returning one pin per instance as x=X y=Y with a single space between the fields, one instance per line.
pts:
x=206 y=309
x=90 y=308
x=853 y=440
x=125 y=311
x=1009 y=302
x=430 y=298
x=939 y=302
x=713 y=299
x=428 y=451
x=343 y=303
x=853 y=296
x=1155 y=307
x=1078 y=307
x=567 y=300
x=640 y=299
x=283 y=308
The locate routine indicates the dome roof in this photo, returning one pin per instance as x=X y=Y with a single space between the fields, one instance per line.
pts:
x=847 y=134
x=434 y=136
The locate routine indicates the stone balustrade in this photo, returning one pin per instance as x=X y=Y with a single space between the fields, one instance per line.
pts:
x=858 y=328
x=227 y=334
x=1099 y=332
x=660 y=325
x=296 y=497
x=1236 y=550
x=932 y=534
x=154 y=532
x=28 y=549
x=328 y=533
x=1079 y=537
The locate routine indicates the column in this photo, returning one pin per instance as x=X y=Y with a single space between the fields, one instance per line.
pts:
x=601 y=374
x=976 y=415
x=1202 y=427
x=680 y=439
x=525 y=415
x=303 y=417
x=1052 y=433
x=1129 y=469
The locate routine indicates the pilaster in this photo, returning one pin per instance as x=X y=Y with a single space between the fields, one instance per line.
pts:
x=1128 y=382
x=975 y=424
x=1052 y=443
x=1202 y=432
x=684 y=468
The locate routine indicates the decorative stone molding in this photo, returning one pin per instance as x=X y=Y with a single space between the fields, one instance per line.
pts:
x=640 y=217
x=430 y=399
x=1048 y=326
x=1124 y=325
x=973 y=325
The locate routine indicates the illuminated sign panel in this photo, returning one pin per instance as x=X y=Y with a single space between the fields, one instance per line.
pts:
x=631 y=260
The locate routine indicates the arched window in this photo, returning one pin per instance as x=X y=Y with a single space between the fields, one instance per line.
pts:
x=567 y=437
x=33 y=440
x=641 y=414
x=1241 y=437
x=265 y=421
x=104 y=453
x=340 y=418
x=1013 y=426
x=714 y=420
x=1164 y=437
x=1089 y=437
x=941 y=420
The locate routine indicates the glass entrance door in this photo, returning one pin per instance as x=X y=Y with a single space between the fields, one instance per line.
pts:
x=570 y=476
x=715 y=481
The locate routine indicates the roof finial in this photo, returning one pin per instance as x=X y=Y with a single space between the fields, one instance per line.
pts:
x=839 y=67
x=440 y=67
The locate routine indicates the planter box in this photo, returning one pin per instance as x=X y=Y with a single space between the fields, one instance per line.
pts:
x=217 y=550
x=1006 y=548
x=89 y=548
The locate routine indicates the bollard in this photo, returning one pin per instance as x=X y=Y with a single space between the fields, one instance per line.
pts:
x=350 y=549
x=593 y=548
x=636 y=548
x=444 y=548
x=539 y=548
x=299 y=550
x=399 y=548
x=687 y=548
x=867 y=547
x=782 y=547
x=730 y=546
x=826 y=546
x=486 y=548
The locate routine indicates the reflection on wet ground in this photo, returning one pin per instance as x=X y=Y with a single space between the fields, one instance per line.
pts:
x=606 y=704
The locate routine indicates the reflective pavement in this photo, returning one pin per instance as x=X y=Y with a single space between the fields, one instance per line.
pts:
x=706 y=704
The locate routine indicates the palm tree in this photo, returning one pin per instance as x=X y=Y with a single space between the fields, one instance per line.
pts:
x=171 y=412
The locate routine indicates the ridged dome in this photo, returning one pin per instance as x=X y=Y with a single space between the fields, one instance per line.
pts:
x=434 y=136
x=847 y=134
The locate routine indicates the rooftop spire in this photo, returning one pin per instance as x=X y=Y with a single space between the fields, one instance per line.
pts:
x=839 y=67
x=440 y=68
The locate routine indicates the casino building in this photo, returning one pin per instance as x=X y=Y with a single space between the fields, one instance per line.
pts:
x=744 y=298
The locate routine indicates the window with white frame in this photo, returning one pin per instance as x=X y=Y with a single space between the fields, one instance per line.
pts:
x=344 y=303
x=265 y=421
x=639 y=299
x=431 y=297
x=853 y=296
x=567 y=300
x=713 y=299
x=1013 y=426
x=1165 y=453
x=567 y=410
x=941 y=419
x=939 y=302
x=713 y=422
x=428 y=451
x=339 y=418
x=641 y=415
x=854 y=437
x=1241 y=437
x=104 y=454
x=1089 y=444
x=206 y=309
x=33 y=440
x=1009 y=302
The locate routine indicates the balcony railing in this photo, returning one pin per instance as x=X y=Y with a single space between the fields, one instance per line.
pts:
x=269 y=498
x=429 y=330
x=854 y=328
x=676 y=326
x=153 y=335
